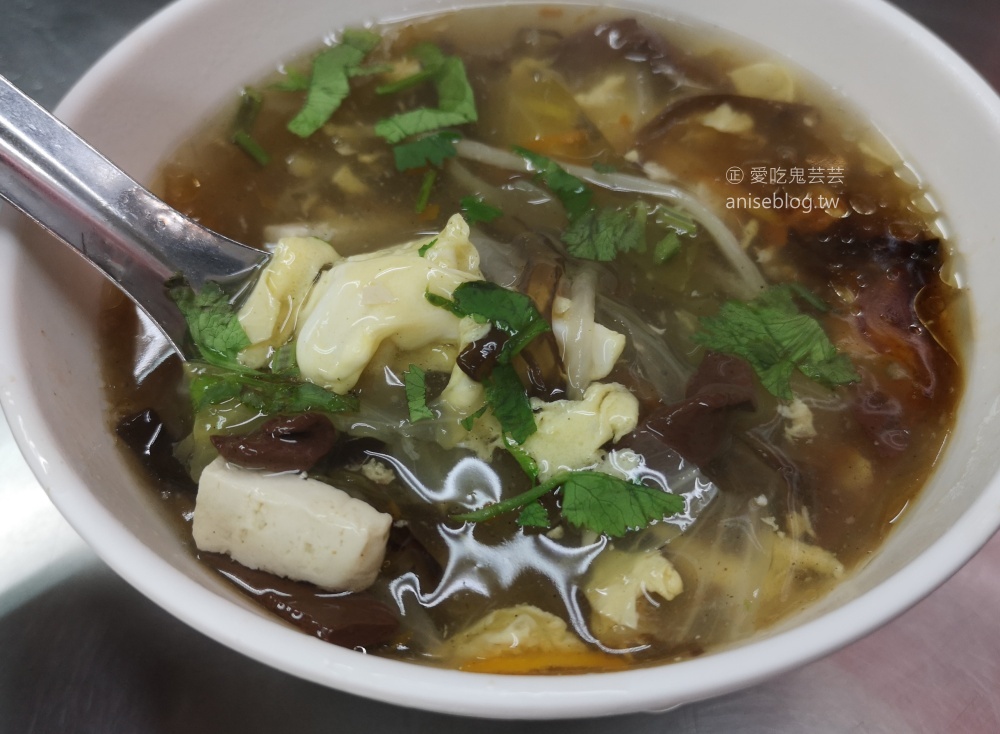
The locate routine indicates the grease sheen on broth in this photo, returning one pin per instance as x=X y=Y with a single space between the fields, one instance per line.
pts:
x=792 y=494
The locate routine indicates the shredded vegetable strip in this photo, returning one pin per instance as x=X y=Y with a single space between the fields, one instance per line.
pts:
x=751 y=283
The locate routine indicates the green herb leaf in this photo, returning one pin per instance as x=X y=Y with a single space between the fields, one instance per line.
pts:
x=469 y=420
x=424 y=248
x=527 y=463
x=263 y=392
x=571 y=191
x=456 y=105
x=515 y=314
x=212 y=389
x=371 y=70
x=600 y=234
x=474 y=209
x=416 y=394
x=614 y=506
x=679 y=221
x=305 y=397
x=284 y=362
x=510 y=311
x=212 y=321
x=776 y=338
x=424 y=195
x=600 y=502
x=251 y=147
x=534 y=516
x=666 y=248
x=246 y=116
x=509 y=403
x=431 y=149
x=329 y=83
x=431 y=57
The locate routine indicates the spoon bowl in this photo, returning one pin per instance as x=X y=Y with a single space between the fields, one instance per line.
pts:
x=52 y=175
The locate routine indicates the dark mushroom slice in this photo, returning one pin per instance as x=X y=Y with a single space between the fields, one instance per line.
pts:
x=146 y=435
x=281 y=444
x=697 y=427
x=355 y=620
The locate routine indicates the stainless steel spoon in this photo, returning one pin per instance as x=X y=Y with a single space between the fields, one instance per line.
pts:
x=136 y=240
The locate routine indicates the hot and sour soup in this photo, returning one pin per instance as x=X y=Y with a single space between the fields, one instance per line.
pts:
x=605 y=342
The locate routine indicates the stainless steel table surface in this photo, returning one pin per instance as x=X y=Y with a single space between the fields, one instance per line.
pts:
x=81 y=652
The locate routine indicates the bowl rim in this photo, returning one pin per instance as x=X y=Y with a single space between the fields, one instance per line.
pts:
x=449 y=691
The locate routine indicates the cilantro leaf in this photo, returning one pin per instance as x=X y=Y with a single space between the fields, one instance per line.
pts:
x=416 y=394
x=512 y=312
x=534 y=516
x=613 y=506
x=469 y=420
x=422 y=251
x=304 y=397
x=329 y=83
x=515 y=314
x=571 y=191
x=474 y=209
x=776 y=339
x=212 y=321
x=600 y=502
x=600 y=234
x=431 y=149
x=456 y=105
x=263 y=392
x=509 y=403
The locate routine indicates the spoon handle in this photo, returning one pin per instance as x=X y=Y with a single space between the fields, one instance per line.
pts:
x=136 y=240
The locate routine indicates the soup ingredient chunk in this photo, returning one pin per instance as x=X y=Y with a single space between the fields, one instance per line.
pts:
x=291 y=526
x=366 y=300
x=620 y=580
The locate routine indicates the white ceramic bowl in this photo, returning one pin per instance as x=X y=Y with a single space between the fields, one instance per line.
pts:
x=149 y=92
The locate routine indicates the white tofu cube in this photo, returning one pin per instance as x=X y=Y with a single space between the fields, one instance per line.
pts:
x=291 y=526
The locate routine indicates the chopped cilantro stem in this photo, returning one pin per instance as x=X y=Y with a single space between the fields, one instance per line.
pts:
x=512 y=503
x=424 y=196
x=251 y=147
x=246 y=116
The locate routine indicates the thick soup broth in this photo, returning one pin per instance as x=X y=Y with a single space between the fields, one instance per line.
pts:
x=752 y=318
